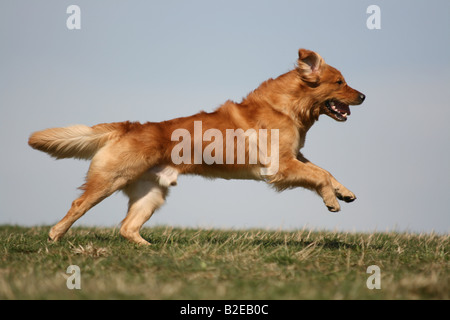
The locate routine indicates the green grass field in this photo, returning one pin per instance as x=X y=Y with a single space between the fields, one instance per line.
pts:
x=222 y=264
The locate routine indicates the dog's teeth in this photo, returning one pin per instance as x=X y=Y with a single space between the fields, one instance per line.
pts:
x=345 y=114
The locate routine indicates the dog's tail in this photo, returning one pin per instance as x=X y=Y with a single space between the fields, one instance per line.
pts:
x=78 y=141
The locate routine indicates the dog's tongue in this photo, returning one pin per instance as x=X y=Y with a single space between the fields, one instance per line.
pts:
x=343 y=108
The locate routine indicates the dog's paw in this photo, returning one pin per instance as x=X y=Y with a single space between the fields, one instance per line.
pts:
x=333 y=205
x=334 y=208
x=54 y=236
x=345 y=195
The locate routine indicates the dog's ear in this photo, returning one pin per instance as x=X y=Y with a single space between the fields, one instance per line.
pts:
x=309 y=65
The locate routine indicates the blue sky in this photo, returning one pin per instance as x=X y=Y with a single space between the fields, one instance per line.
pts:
x=156 y=60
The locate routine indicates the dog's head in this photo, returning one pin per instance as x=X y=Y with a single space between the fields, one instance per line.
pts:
x=331 y=92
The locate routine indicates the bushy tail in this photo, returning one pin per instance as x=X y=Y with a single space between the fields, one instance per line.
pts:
x=78 y=141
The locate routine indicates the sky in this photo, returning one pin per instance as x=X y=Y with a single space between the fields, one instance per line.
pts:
x=158 y=60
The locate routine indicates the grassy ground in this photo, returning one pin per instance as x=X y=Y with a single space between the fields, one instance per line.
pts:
x=219 y=264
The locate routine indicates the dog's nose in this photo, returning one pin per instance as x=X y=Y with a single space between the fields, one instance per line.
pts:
x=362 y=97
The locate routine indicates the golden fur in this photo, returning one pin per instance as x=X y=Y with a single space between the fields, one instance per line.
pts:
x=137 y=158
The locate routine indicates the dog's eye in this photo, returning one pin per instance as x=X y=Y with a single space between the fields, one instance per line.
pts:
x=339 y=82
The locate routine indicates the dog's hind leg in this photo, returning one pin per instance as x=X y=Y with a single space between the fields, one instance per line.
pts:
x=107 y=174
x=96 y=189
x=146 y=196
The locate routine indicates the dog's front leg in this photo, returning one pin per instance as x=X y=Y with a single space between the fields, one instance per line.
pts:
x=341 y=192
x=294 y=173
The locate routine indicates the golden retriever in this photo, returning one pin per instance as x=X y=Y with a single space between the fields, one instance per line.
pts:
x=259 y=138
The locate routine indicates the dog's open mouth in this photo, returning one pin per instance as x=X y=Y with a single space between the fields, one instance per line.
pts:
x=338 y=110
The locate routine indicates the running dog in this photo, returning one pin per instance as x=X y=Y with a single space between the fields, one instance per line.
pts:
x=144 y=160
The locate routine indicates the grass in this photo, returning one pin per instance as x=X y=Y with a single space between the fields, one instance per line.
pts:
x=222 y=264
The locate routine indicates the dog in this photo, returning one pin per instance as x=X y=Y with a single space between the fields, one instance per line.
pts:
x=144 y=160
